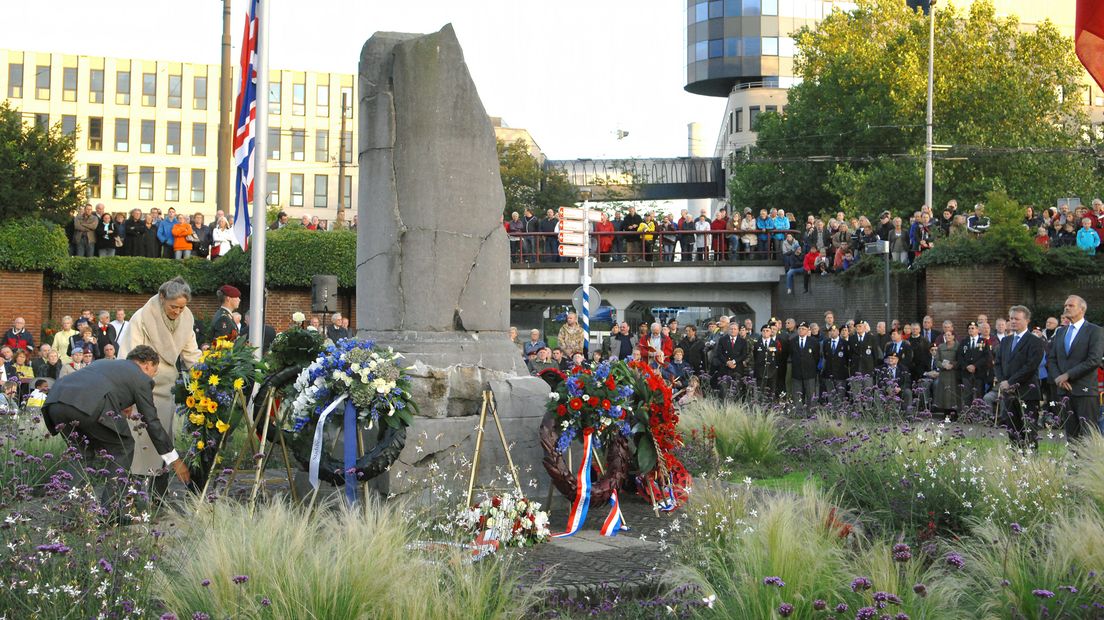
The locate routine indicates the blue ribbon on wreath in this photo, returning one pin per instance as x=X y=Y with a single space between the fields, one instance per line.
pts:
x=350 y=442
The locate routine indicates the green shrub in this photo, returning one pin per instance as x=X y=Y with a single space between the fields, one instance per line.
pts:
x=747 y=434
x=292 y=257
x=30 y=244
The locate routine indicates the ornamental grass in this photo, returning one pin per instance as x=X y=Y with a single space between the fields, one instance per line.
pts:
x=1088 y=472
x=339 y=563
x=746 y=433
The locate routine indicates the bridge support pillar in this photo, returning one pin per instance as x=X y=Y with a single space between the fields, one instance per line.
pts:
x=620 y=303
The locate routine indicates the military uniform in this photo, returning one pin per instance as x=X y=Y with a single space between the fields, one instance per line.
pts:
x=223 y=325
x=767 y=357
x=837 y=364
x=865 y=353
x=977 y=352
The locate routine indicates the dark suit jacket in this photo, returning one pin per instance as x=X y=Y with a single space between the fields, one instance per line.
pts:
x=727 y=350
x=1021 y=367
x=936 y=336
x=903 y=377
x=804 y=360
x=766 y=360
x=103 y=337
x=904 y=356
x=921 y=355
x=111 y=385
x=864 y=354
x=1081 y=362
x=837 y=363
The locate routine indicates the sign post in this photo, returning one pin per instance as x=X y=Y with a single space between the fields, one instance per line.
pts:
x=575 y=241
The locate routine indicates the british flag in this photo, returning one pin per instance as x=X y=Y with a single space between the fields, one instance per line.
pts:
x=245 y=128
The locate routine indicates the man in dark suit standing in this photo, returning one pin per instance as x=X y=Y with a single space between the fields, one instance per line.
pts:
x=837 y=363
x=89 y=406
x=730 y=360
x=1075 y=354
x=804 y=359
x=1016 y=371
x=767 y=355
x=865 y=353
x=974 y=357
x=929 y=333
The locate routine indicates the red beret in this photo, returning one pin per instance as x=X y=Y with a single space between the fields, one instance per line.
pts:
x=230 y=291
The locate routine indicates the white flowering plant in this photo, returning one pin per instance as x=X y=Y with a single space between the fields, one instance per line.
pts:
x=368 y=376
x=512 y=520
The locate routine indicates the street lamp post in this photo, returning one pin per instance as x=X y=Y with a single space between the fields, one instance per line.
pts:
x=931 y=81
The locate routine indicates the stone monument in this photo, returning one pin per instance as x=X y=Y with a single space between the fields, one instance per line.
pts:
x=433 y=269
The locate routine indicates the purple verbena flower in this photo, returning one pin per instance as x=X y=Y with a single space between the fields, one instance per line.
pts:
x=841 y=608
x=1016 y=528
x=954 y=560
x=860 y=583
x=820 y=604
x=105 y=566
x=199 y=615
x=1043 y=593
x=785 y=610
x=902 y=552
x=866 y=613
x=920 y=589
x=774 y=581
x=1070 y=589
x=205 y=583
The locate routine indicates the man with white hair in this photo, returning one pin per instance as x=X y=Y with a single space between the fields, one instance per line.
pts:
x=336 y=331
x=18 y=337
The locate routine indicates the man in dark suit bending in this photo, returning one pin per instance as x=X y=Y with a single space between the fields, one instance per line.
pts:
x=89 y=405
x=1016 y=370
x=1075 y=354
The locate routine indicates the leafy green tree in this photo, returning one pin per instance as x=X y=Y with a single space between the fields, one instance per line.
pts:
x=36 y=170
x=527 y=184
x=852 y=136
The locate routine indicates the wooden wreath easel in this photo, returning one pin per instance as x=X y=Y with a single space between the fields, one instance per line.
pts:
x=489 y=404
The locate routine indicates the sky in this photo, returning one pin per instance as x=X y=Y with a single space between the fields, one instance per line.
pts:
x=572 y=72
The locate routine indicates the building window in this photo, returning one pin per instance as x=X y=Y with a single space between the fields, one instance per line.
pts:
x=321 y=191
x=69 y=84
x=322 y=145
x=273 y=186
x=751 y=7
x=94 y=180
x=120 y=191
x=172 y=184
x=274 y=143
x=148 y=135
x=42 y=121
x=732 y=46
x=122 y=135
x=298 y=99
x=42 y=82
x=347 y=191
x=274 y=97
x=296 y=190
x=738 y=118
x=149 y=89
x=771 y=108
x=172 y=137
x=145 y=183
x=716 y=48
x=786 y=46
x=322 y=102
x=347 y=147
x=716 y=9
x=751 y=46
x=199 y=178
x=176 y=87
x=347 y=100
x=770 y=46
x=753 y=112
x=15 y=80
x=298 y=145
x=95 y=133
x=701 y=12
x=769 y=7
x=96 y=86
x=122 y=88
x=199 y=92
x=68 y=124
x=701 y=50
x=199 y=139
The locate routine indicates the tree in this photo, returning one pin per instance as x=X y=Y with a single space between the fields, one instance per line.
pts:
x=36 y=170
x=852 y=136
x=527 y=184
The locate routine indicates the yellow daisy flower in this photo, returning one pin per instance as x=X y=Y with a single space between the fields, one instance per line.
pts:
x=193 y=387
x=190 y=402
x=238 y=383
x=212 y=406
x=196 y=374
x=200 y=445
x=214 y=380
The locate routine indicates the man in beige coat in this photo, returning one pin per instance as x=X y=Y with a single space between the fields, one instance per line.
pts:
x=166 y=324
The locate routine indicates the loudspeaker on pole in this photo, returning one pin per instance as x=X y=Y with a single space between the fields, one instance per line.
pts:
x=324 y=293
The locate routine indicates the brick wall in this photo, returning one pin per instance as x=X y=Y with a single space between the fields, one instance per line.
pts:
x=21 y=295
x=863 y=298
x=960 y=294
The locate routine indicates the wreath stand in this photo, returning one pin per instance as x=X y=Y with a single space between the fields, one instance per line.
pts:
x=261 y=454
x=489 y=404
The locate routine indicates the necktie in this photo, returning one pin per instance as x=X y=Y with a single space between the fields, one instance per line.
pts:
x=802 y=345
x=1070 y=332
x=1015 y=341
x=897 y=350
x=834 y=346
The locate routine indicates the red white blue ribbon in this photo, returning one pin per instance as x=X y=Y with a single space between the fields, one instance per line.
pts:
x=615 y=521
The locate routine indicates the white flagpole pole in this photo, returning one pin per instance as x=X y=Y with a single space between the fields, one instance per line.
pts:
x=260 y=192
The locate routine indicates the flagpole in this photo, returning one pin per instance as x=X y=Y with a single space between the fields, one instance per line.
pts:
x=260 y=192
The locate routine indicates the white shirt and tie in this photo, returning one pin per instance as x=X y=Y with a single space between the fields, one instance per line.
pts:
x=1071 y=333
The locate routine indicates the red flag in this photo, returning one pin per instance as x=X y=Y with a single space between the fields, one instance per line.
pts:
x=1089 y=37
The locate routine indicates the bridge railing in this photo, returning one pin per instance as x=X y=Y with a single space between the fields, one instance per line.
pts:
x=712 y=246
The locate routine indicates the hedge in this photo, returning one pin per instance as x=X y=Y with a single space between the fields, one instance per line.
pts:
x=292 y=257
x=29 y=244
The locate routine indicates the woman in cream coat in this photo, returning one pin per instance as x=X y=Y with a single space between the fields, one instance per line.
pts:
x=166 y=324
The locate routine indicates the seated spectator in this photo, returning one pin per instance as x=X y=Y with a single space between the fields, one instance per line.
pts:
x=1087 y=239
x=543 y=361
x=38 y=395
x=535 y=343
x=677 y=372
x=1042 y=239
x=52 y=366
x=85 y=338
x=109 y=351
x=18 y=337
x=21 y=366
x=9 y=399
x=693 y=391
x=843 y=259
x=63 y=337
x=38 y=364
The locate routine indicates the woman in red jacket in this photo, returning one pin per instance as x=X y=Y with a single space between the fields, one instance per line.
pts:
x=605 y=241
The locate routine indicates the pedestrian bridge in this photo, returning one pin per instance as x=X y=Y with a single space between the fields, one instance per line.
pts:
x=743 y=286
x=673 y=178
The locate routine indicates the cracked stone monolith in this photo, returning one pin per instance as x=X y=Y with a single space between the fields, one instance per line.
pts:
x=433 y=270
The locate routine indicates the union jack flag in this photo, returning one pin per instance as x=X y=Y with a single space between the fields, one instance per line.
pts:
x=245 y=128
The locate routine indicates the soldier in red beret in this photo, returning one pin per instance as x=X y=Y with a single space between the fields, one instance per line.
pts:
x=223 y=322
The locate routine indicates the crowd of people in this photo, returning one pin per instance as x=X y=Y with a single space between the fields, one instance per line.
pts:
x=95 y=232
x=1015 y=368
x=819 y=245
